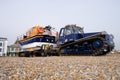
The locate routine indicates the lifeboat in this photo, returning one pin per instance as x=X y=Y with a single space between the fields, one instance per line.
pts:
x=38 y=36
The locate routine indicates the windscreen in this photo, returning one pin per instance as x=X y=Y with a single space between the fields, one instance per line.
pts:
x=73 y=29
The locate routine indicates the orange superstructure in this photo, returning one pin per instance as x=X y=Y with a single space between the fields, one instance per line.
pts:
x=41 y=31
x=35 y=30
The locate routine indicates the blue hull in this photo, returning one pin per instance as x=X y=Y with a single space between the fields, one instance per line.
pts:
x=38 y=38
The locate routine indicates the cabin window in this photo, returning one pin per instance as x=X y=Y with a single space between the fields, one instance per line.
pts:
x=12 y=49
x=17 y=49
x=0 y=49
x=0 y=44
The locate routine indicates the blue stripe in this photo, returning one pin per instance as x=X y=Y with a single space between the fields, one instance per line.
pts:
x=44 y=39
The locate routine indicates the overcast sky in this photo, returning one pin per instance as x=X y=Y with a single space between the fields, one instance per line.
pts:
x=17 y=16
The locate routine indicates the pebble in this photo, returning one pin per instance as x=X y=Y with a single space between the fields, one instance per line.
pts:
x=61 y=68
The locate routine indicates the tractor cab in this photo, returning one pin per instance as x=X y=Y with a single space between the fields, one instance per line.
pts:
x=70 y=33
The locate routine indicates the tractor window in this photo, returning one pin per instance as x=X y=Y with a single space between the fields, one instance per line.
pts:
x=68 y=31
x=73 y=29
x=62 y=32
x=78 y=30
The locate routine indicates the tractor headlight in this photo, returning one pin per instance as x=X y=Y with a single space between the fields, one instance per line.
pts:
x=111 y=36
x=66 y=40
x=111 y=42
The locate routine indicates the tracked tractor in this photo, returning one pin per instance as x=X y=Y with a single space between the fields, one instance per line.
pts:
x=74 y=41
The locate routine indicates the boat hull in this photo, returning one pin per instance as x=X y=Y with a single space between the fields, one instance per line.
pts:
x=37 y=41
